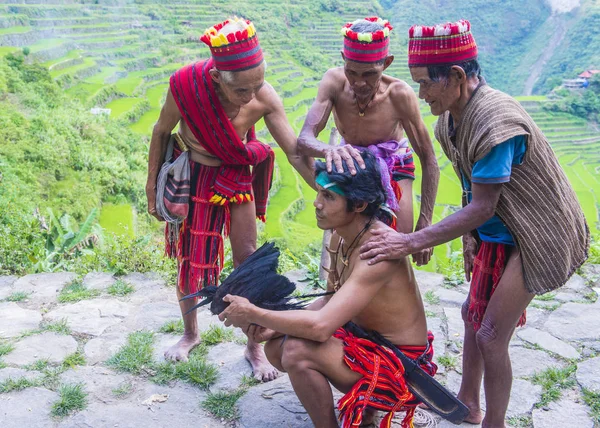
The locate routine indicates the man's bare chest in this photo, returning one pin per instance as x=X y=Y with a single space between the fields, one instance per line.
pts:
x=379 y=122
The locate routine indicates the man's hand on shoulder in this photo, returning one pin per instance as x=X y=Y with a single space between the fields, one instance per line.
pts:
x=386 y=244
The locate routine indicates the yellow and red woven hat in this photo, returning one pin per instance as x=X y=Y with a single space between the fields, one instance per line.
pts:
x=442 y=44
x=367 y=47
x=235 y=50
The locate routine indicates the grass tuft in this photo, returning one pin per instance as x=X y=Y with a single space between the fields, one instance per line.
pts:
x=39 y=365
x=520 y=422
x=431 y=297
x=222 y=404
x=60 y=327
x=123 y=390
x=72 y=399
x=448 y=361
x=18 y=384
x=217 y=334
x=135 y=356
x=196 y=370
x=74 y=360
x=120 y=288
x=75 y=292
x=553 y=380
x=545 y=297
x=592 y=399
x=17 y=296
x=172 y=327
x=6 y=348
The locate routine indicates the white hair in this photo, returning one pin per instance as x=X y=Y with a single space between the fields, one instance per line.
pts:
x=228 y=76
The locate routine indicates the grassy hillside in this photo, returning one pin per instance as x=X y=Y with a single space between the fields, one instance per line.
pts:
x=119 y=55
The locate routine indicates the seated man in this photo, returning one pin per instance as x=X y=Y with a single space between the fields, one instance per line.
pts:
x=312 y=346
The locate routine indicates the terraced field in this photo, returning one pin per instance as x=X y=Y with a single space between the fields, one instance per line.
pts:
x=121 y=58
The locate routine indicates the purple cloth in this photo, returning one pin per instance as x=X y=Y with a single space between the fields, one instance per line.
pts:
x=387 y=157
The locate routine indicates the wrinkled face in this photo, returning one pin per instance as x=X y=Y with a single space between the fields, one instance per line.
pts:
x=331 y=209
x=440 y=95
x=363 y=77
x=241 y=87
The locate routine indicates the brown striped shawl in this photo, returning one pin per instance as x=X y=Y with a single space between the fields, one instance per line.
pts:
x=538 y=204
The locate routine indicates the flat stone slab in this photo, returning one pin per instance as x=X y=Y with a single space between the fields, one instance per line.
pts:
x=99 y=382
x=574 y=321
x=455 y=323
x=91 y=316
x=98 y=280
x=44 y=287
x=450 y=297
x=27 y=408
x=276 y=399
x=525 y=362
x=563 y=413
x=535 y=317
x=152 y=316
x=6 y=286
x=181 y=409
x=229 y=357
x=576 y=283
x=100 y=349
x=15 y=320
x=523 y=394
x=46 y=346
x=428 y=280
x=588 y=374
x=13 y=373
x=548 y=342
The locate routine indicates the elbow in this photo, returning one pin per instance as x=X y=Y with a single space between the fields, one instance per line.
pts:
x=321 y=332
x=486 y=212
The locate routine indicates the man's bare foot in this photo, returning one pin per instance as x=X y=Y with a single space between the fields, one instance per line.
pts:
x=262 y=369
x=181 y=350
x=475 y=415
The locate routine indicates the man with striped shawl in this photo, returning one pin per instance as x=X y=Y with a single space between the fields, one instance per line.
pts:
x=523 y=230
x=216 y=103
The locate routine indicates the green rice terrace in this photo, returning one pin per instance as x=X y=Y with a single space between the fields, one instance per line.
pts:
x=118 y=55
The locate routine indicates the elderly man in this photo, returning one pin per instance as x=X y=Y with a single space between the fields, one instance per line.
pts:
x=523 y=230
x=372 y=111
x=216 y=103
x=316 y=346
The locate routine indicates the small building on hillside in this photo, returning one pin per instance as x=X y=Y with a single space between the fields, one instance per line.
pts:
x=588 y=74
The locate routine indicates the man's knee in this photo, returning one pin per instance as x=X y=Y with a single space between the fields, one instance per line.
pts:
x=488 y=340
x=273 y=349
x=295 y=353
x=242 y=253
x=464 y=311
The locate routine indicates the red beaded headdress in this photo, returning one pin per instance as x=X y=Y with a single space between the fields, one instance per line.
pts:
x=443 y=44
x=367 y=47
x=234 y=51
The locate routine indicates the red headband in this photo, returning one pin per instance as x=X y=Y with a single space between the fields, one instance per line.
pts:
x=235 y=51
x=367 y=47
x=443 y=44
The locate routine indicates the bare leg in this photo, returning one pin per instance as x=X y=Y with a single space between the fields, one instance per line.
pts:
x=405 y=216
x=243 y=244
x=503 y=312
x=311 y=366
x=470 y=386
x=180 y=351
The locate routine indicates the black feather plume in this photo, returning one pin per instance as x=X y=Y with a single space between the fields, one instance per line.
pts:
x=257 y=280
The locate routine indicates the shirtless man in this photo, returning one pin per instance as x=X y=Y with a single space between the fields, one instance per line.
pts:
x=373 y=111
x=311 y=345
x=226 y=98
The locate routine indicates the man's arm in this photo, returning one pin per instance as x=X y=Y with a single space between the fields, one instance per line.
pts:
x=315 y=122
x=349 y=301
x=407 y=105
x=282 y=132
x=388 y=245
x=168 y=119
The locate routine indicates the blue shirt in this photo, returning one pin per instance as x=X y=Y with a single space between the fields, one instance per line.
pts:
x=496 y=168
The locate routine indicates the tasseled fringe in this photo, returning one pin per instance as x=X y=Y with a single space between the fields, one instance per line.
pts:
x=217 y=198
x=262 y=218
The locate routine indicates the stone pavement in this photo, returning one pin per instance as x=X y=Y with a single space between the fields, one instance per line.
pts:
x=562 y=329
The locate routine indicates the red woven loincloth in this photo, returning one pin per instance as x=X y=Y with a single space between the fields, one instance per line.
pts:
x=199 y=247
x=488 y=268
x=382 y=386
